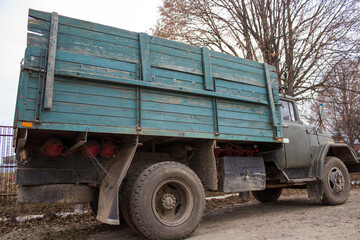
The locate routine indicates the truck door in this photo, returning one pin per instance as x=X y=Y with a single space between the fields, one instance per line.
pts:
x=298 y=149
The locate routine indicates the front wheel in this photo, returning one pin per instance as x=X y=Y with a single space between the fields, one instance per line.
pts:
x=167 y=201
x=336 y=182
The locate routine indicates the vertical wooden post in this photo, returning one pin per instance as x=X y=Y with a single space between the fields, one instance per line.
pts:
x=49 y=86
x=208 y=79
x=271 y=100
x=145 y=57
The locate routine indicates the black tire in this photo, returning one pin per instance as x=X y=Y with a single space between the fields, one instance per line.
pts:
x=167 y=201
x=336 y=182
x=125 y=200
x=267 y=195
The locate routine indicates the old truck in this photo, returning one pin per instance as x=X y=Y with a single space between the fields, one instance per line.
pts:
x=141 y=126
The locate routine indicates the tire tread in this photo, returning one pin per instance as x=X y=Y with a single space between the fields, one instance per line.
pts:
x=137 y=192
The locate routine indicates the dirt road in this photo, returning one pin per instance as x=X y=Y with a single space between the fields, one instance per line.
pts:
x=289 y=218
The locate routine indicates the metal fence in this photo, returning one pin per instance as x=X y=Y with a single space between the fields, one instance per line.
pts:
x=8 y=189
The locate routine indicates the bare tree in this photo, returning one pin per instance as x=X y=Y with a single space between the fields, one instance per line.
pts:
x=341 y=95
x=297 y=37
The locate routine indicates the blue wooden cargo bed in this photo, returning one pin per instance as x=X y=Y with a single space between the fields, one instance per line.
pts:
x=96 y=78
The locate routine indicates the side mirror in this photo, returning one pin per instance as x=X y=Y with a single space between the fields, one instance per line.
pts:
x=322 y=112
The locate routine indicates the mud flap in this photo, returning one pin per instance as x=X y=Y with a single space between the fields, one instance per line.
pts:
x=108 y=208
x=315 y=190
x=204 y=164
x=241 y=174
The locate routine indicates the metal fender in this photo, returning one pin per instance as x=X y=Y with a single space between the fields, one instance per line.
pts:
x=339 y=150
x=108 y=208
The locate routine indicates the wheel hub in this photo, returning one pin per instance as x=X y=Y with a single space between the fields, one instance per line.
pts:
x=336 y=180
x=173 y=202
x=168 y=201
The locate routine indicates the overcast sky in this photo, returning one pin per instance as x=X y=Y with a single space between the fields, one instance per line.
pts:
x=133 y=15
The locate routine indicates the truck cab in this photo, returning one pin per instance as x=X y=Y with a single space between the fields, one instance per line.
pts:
x=311 y=158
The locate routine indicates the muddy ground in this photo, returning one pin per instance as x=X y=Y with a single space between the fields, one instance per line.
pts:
x=292 y=217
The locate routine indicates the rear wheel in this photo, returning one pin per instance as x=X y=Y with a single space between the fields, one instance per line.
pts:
x=125 y=200
x=167 y=201
x=336 y=182
x=267 y=195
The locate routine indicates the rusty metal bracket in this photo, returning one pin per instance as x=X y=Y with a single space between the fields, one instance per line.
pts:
x=108 y=208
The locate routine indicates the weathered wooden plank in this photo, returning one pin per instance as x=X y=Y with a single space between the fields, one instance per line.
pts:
x=175 y=52
x=166 y=74
x=81 y=119
x=175 y=45
x=81 y=104
x=242 y=107
x=42 y=27
x=30 y=104
x=229 y=122
x=207 y=72
x=85 y=25
x=31 y=94
x=23 y=91
x=238 y=76
x=245 y=131
x=176 y=98
x=176 y=126
x=27 y=115
x=95 y=61
x=245 y=117
x=232 y=85
x=97 y=49
x=234 y=59
x=237 y=66
x=40 y=14
x=78 y=69
x=101 y=111
x=32 y=82
x=173 y=108
x=94 y=89
x=32 y=57
x=36 y=40
x=271 y=100
x=145 y=58
x=98 y=101
x=99 y=36
x=85 y=108
x=241 y=93
x=49 y=85
x=38 y=25
x=176 y=117
x=176 y=83
x=177 y=79
x=176 y=64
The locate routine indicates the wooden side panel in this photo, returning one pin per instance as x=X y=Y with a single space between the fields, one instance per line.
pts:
x=244 y=119
x=112 y=80
x=82 y=103
x=176 y=112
